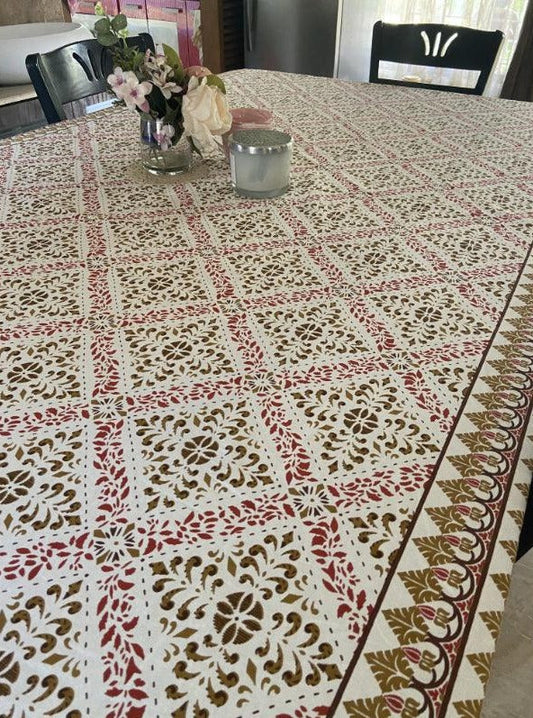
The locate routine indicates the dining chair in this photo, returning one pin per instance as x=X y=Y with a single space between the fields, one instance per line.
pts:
x=434 y=45
x=74 y=72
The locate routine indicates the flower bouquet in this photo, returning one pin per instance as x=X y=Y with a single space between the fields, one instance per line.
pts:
x=173 y=101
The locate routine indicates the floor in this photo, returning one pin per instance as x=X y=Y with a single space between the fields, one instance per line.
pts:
x=508 y=693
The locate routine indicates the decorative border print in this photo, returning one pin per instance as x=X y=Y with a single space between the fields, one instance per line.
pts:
x=429 y=645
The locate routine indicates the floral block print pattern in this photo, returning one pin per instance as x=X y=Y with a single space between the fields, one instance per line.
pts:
x=43 y=483
x=42 y=370
x=42 y=631
x=44 y=296
x=265 y=458
x=265 y=625
x=210 y=452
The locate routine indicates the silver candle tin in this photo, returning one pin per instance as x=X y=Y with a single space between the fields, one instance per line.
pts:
x=260 y=162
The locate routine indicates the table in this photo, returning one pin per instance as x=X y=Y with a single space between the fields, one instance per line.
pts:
x=238 y=477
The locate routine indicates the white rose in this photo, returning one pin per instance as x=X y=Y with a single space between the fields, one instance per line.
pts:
x=206 y=115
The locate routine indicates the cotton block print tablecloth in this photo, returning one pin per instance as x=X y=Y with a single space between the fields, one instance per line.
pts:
x=237 y=474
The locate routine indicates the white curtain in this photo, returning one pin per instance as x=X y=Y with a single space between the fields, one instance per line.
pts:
x=358 y=17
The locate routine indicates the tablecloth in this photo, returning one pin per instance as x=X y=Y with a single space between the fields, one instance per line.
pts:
x=265 y=458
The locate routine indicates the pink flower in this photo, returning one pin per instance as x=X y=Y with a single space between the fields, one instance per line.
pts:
x=127 y=87
x=156 y=62
x=161 y=74
x=197 y=71
x=135 y=96
x=164 y=136
x=116 y=79
x=167 y=88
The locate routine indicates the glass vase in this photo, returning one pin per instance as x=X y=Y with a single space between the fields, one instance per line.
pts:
x=164 y=149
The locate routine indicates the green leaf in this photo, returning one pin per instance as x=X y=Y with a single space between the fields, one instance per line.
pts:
x=126 y=57
x=173 y=59
x=172 y=114
x=215 y=81
x=157 y=101
x=107 y=39
x=137 y=60
x=102 y=25
x=193 y=147
x=119 y=22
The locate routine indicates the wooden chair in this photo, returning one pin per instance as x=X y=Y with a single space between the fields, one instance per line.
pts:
x=74 y=72
x=435 y=45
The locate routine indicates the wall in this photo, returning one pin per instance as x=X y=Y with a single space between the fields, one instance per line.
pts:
x=13 y=12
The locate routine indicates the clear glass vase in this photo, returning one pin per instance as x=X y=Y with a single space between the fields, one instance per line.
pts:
x=164 y=149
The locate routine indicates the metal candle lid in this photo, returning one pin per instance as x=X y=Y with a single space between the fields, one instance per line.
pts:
x=260 y=142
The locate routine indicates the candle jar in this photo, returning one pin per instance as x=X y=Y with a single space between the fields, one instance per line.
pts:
x=260 y=162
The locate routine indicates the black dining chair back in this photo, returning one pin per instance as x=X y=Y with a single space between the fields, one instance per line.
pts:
x=74 y=72
x=435 y=45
